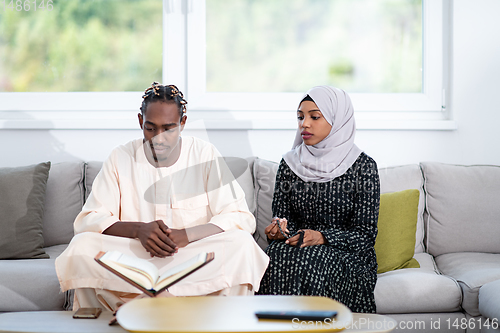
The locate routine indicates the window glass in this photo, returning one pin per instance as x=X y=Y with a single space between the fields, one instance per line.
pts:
x=368 y=46
x=80 y=45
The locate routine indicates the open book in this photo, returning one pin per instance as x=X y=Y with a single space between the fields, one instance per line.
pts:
x=144 y=275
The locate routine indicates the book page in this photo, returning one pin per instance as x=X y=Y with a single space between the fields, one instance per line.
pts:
x=179 y=270
x=140 y=270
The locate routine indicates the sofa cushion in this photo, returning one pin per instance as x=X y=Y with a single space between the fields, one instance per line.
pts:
x=471 y=270
x=22 y=193
x=63 y=202
x=414 y=290
x=463 y=209
x=397 y=226
x=264 y=173
x=489 y=294
x=31 y=284
x=394 y=179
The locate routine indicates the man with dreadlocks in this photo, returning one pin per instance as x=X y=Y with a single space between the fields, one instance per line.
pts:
x=165 y=198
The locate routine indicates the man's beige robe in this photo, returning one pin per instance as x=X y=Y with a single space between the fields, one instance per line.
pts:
x=197 y=189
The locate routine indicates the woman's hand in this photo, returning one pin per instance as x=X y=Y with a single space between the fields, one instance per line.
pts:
x=272 y=231
x=311 y=237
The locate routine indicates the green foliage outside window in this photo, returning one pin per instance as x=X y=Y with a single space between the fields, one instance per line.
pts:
x=251 y=45
x=372 y=46
x=81 y=45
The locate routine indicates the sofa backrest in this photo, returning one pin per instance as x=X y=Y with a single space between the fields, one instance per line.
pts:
x=399 y=178
x=460 y=202
x=64 y=197
x=264 y=173
x=463 y=208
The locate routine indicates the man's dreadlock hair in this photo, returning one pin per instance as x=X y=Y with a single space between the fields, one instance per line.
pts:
x=167 y=94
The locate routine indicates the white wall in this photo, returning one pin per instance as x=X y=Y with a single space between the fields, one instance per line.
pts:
x=475 y=104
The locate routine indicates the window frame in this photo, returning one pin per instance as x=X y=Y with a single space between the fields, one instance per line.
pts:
x=184 y=64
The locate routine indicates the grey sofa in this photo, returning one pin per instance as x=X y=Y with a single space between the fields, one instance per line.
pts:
x=456 y=288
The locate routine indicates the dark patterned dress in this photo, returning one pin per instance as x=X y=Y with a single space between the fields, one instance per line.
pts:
x=345 y=211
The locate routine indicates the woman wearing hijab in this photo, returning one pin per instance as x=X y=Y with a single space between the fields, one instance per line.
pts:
x=326 y=202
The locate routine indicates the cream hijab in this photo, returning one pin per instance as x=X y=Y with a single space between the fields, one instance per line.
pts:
x=335 y=154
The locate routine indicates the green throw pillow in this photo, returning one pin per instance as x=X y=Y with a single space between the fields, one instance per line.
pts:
x=22 y=196
x=397 y=225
